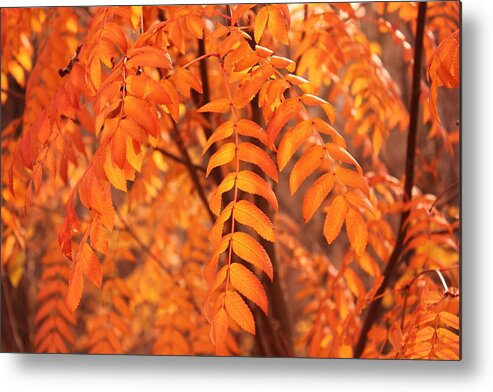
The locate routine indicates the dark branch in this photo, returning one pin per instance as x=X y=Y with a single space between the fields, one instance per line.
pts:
x=375 y=306
x=177 y=159
x=192 y=171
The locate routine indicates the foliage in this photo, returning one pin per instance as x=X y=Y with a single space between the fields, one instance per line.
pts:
x=229 y=180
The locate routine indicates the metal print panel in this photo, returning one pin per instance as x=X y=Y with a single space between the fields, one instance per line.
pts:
x=270 y=180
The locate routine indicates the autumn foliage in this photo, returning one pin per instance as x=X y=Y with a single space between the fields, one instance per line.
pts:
x=268 y=180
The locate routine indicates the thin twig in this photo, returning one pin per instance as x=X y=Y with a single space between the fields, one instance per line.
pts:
x=144 y=247
x=177 y=159
x=13 y=93
x=204 y=56
x=438 y=271
x=448 y=189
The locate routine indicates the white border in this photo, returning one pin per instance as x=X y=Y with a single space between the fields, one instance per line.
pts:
x=473 y=373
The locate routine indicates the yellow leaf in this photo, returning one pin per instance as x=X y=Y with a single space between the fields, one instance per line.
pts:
x=260 y=23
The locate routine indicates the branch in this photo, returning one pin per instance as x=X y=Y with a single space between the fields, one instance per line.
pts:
x=177 y=159
x=375 y=306
x=141 y=243
x=193 y=173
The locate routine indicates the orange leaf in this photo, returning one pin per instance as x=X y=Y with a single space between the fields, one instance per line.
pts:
x=278 y=26
x=357 y=231
x=336 y=213
x=239 y=311
x=285 y=112
x=148 y=56
x=251 y=129
x=326 y=128
x=215 y=234
x=292 y=141
x=263 y=51
x=316 y=194
x=249 y=152
x=352 y=179
x=223 y=131
x=226 y=184
x=239 y=11
x=341 y=154
x=249 y=214
x=260 y=23
x=220 y=105
x=246 y=247
x=90 y=264
x=220 y=330
x=115 y=175
x=306 y=165
x=139 y=111
x=248 y=284
x=221 y=157
x=250 y=182
x=75 y=288
x=283 y=62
